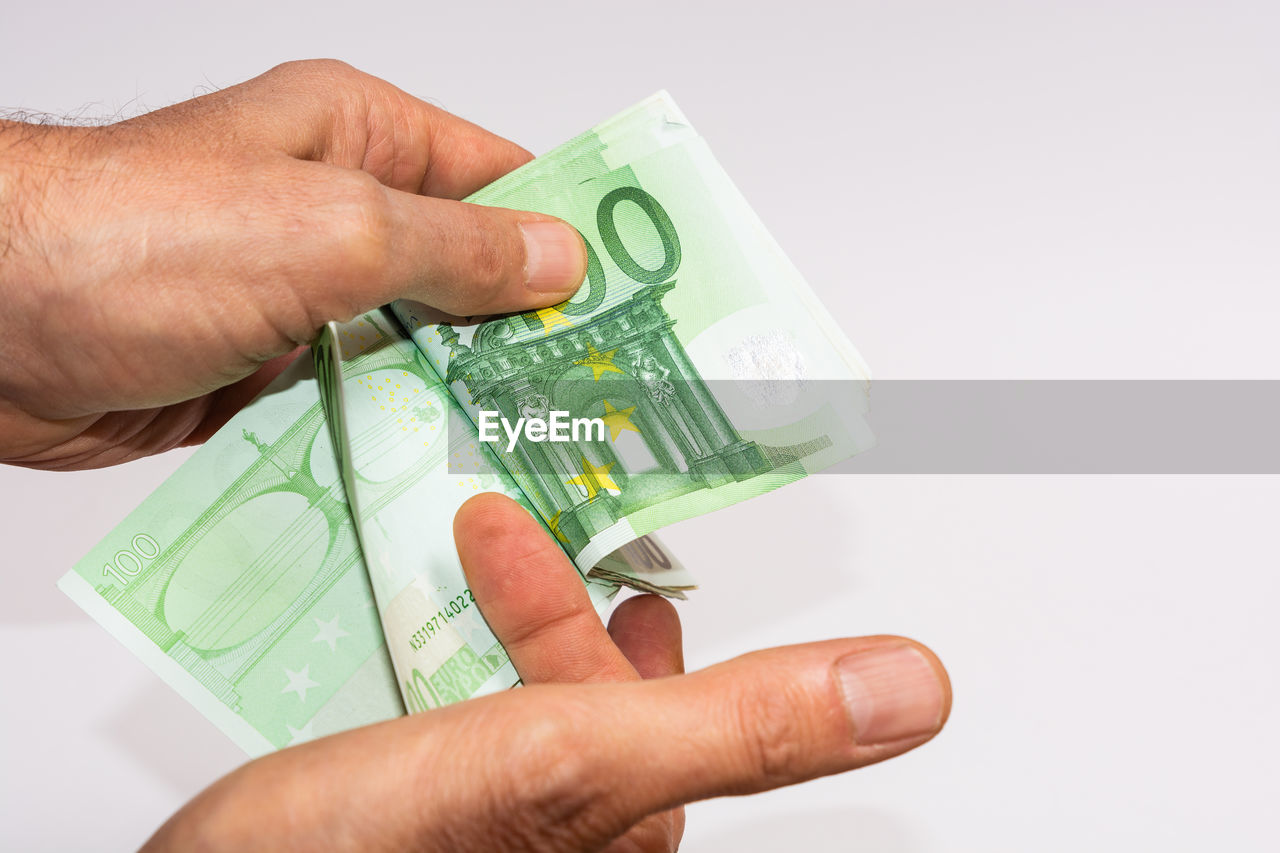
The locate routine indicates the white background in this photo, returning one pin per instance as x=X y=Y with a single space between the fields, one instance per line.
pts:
x=976 y=190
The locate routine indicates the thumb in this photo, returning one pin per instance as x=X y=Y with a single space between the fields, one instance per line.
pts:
x=765 y=720
x=561 y=767
x=467 y=259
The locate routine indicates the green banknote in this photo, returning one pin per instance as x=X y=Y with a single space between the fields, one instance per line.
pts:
x=241 y=583
x=298 y=577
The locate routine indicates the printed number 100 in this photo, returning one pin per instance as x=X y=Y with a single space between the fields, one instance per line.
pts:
x=127 y=564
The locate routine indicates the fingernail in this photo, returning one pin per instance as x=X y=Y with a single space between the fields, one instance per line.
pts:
x=553 y=256
x=891 y=693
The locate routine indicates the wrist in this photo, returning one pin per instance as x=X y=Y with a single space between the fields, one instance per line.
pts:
x=31 y=159
x=16 y=142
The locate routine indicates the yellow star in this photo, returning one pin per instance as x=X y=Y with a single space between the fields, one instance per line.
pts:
x=618 y=419
x=599 y=362
x=594 y=478
x=551 y=318
x=554 y=524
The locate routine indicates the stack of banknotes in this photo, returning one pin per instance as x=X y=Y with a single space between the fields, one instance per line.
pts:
x=298 y=575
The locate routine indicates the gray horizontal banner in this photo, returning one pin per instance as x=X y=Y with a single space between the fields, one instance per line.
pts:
x=921 y=426
x=1072 y=427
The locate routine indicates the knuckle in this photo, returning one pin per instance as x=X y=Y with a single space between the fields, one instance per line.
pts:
x=361 y=227
x=773 y=737
x=658 y=833
x=485 y=251
x=314 y=70
x=557 y=622
x=559 y=801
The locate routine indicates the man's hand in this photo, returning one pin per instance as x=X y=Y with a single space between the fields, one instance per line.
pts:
x=599 y=751
x=155 y=274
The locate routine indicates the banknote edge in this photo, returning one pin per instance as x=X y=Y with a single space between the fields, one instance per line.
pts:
x=241 y=733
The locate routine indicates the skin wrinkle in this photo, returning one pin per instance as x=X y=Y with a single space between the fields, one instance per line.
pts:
x=21 y=356
x=411 y=152
x=287 y=313
x=71 y=455
x=381 y=134
x=59 y=305
x=27 y=182
x=565 y=806
x=557 y=621
x=9 y=211
x=46 y=395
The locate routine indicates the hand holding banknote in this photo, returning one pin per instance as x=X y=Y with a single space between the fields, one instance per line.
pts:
x=151 y=268
x=601 y=748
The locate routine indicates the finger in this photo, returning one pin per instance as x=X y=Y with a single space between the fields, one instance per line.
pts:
x=378 y=245
x=326 y=110
x=411 y=145
x=761 y=721
x=758 y=722
x=782 y=716
x=532 y=596
x=461 y=158
x=468 y=259
x=646 y=629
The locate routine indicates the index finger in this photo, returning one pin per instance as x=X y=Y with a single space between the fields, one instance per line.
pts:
x=532 y=596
